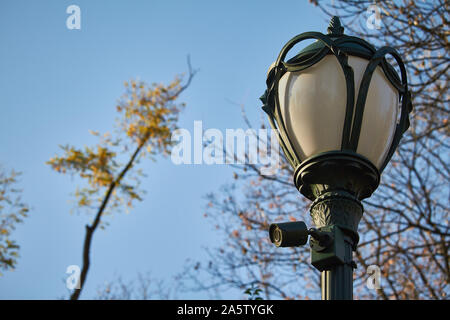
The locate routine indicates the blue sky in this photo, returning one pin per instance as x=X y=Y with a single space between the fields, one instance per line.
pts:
x=56 y=84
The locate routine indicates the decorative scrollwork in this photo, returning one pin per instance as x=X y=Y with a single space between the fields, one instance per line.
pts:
x=340 y=209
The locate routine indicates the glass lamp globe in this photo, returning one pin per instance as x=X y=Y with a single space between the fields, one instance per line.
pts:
x=339 y=109
x=313 y=103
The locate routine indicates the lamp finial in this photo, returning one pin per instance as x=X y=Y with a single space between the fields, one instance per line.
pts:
x=335 y=28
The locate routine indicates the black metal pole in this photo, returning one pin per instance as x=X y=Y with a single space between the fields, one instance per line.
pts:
x=336 y=213
x=337 y=282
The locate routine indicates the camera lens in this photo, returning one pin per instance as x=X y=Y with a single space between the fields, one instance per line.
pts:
x=277 y=236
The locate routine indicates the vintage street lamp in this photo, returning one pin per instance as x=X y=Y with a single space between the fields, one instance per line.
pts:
x=340 y=110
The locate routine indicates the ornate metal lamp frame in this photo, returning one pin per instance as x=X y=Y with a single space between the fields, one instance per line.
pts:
x=336 y=181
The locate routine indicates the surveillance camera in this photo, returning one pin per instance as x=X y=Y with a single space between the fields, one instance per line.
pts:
x=288 y=234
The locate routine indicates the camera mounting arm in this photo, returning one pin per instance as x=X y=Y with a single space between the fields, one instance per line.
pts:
x=328 y=244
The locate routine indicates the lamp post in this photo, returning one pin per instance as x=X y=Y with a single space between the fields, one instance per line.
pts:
x=339 y=110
